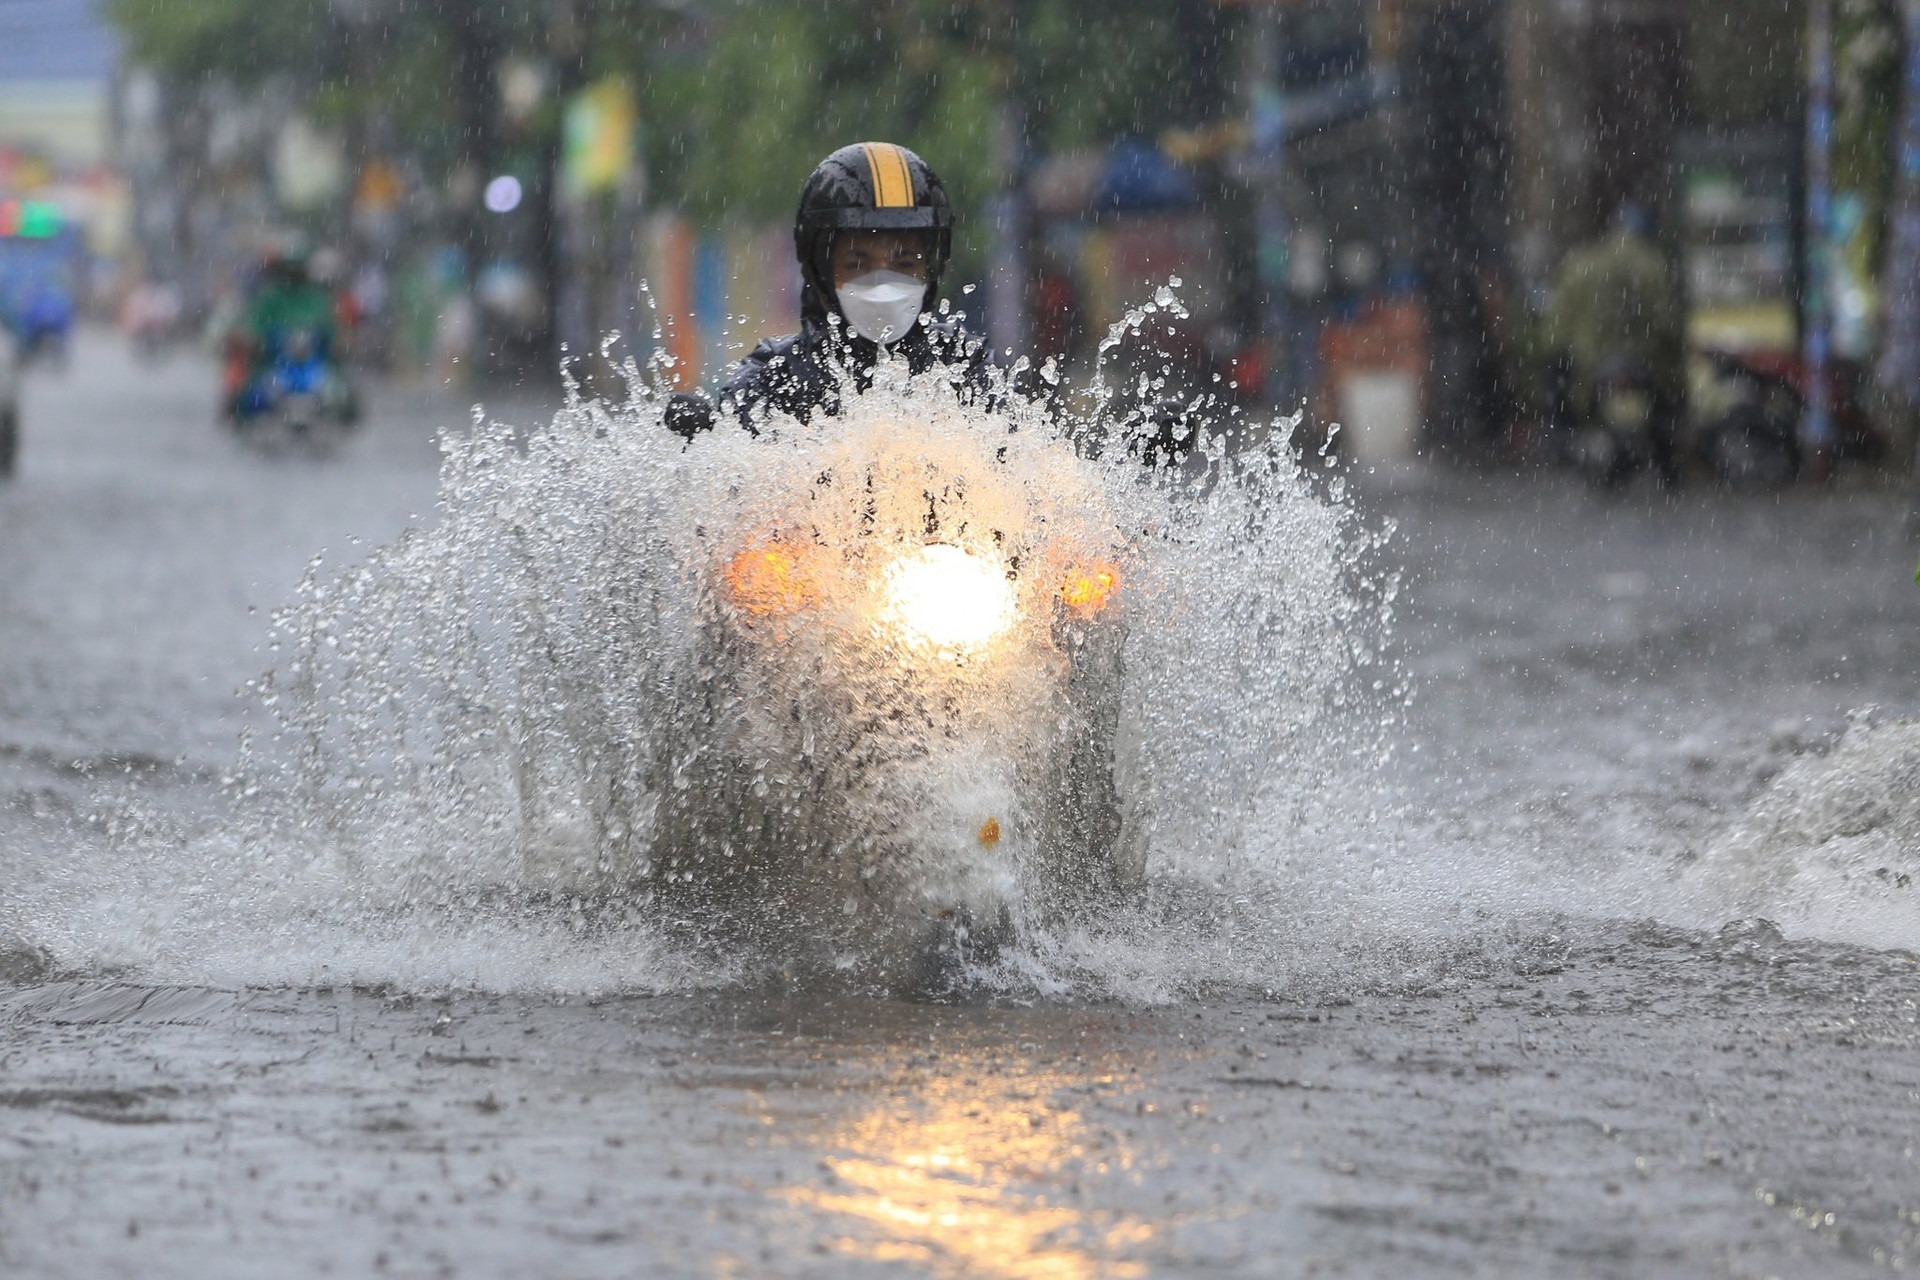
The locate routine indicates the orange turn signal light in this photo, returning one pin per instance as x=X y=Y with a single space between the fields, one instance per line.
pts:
x=1088 y=589
x=771 y=580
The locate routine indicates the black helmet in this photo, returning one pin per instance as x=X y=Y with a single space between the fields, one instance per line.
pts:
x=869 y=186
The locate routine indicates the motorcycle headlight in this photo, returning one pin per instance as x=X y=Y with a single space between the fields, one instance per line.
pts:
x=947 y=599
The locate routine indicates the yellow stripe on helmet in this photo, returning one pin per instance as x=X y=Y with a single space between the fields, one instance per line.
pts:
x=892 y=182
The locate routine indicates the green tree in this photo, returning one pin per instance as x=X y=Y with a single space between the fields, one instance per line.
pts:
x=735 y=127
x=237 y=40
x=738 y=98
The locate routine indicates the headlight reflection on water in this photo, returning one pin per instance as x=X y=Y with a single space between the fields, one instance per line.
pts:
x=961 y=1184
x=947 y=599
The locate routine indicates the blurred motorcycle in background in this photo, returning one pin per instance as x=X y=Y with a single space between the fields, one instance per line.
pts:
x=300 y=396
x=44 y=326
x=1750 y=407
x=154 y=319
x=1619 y=435
x=9 y=402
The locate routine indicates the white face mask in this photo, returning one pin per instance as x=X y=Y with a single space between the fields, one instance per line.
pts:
x=882 y=305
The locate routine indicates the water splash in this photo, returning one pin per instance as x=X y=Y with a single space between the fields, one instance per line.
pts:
x=539 y=746
x=1831 y=850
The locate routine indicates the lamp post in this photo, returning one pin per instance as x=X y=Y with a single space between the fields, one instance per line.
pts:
x=1264 y=169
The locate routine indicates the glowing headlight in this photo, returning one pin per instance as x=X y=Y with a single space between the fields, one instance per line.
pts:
x=946 y=598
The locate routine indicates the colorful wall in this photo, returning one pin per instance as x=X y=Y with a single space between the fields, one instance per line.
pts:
x=716 y=293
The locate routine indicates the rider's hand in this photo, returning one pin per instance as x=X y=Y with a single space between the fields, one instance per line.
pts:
x=688 y=414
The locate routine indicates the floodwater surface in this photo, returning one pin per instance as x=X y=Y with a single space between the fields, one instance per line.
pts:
x=1582 y=944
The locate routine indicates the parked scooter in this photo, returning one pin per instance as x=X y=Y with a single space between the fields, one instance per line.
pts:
x=1755 y=406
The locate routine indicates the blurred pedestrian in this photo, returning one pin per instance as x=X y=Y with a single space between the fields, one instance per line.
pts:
x=1616 y=304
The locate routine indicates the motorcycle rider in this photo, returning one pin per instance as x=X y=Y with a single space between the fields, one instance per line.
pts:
x=287 y=300
x=1616 y=304
x=873 y=233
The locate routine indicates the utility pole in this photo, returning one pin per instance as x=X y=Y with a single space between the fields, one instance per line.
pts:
x=476 y=58
x=1816 y=338
x=1899 y=370
x=1458 y=167
x=1540 y=93
x=1008 y=217
x=566 y=48
x=1272 y=227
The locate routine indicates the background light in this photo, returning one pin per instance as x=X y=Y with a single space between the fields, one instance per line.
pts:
x=503 y=194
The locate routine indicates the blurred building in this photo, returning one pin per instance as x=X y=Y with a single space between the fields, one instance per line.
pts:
x=56 y=69
x=1364 y=199
x=1692 y=109
x=63 y=212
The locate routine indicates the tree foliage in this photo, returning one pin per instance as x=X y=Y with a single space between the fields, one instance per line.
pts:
x=738 y=97
x=242 y=41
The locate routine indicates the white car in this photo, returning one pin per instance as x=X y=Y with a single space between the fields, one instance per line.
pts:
x=9 y=401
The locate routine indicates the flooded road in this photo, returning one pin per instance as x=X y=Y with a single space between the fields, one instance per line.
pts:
x=1619 y=977
x=1657 y=1105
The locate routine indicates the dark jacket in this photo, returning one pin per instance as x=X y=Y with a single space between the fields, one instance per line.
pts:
x=805 y=373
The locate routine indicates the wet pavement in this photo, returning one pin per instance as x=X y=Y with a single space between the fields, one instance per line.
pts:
x=1655 y=1105
x=1644 y=1080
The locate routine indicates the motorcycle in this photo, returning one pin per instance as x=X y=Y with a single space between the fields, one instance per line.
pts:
x=44 y=327
x=908 y=715
x=1752 y=406
x=154 y=320
x=909 y=697
x=300 y=396
x=1616 y=438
